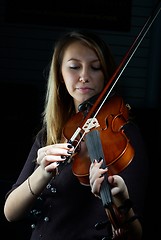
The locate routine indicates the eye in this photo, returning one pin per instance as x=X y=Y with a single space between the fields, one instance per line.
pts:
x=96 y=68
x=74 y=67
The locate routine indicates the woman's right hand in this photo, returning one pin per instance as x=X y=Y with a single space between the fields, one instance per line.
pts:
x=23 y=197
x=50 y=156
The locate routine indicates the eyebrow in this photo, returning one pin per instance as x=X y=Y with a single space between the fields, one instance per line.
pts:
x=75 y=59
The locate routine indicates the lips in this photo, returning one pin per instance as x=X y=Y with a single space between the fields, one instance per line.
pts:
x=84 y=89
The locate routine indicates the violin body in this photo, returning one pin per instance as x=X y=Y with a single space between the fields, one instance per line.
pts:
x=116 y=146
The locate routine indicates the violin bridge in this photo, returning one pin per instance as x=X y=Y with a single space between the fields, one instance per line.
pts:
x=90 y=123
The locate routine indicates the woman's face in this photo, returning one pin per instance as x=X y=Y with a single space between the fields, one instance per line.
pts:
x=82 y=72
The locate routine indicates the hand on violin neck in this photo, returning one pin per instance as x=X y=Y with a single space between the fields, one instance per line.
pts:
x=96 y=176
x=118 y=187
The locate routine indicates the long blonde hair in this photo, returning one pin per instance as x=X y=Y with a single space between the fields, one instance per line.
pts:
x=59 y=106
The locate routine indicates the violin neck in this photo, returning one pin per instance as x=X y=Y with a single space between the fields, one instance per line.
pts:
x=95 y=151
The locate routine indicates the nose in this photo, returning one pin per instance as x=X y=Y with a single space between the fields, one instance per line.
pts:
x=84 y=74
x=83 y=79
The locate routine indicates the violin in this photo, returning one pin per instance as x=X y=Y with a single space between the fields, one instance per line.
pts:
x=116 y=146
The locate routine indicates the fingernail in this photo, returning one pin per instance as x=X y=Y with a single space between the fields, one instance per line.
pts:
x=69 y=152
x=69 y=146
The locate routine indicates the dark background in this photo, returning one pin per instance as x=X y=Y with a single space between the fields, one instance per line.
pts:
x=28 y=31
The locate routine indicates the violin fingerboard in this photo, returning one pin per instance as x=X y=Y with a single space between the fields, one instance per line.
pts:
x=95 y=151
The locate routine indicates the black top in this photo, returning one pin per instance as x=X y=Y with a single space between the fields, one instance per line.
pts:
x=68 y=210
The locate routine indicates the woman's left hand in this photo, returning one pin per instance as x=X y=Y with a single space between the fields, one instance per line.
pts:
x=96 y=176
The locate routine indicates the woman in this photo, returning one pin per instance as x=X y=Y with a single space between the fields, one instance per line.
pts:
x=60 y=206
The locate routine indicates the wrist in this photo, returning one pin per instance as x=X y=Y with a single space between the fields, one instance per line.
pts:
x=127 y=213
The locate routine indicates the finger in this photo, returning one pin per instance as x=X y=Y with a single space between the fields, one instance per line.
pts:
x=51 y=167
x=115 y=191
x=96 y=185
x=54 y=153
